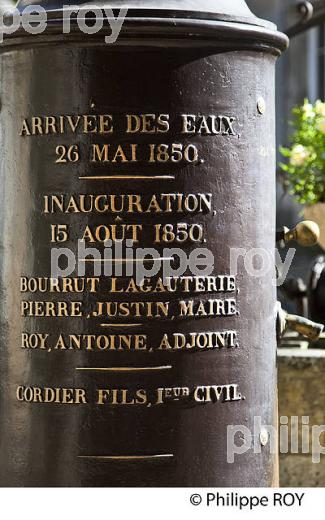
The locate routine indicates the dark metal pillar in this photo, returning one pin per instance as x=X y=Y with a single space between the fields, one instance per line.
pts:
x=153 y=410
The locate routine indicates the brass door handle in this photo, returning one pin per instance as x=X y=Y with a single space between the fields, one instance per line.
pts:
x=306 y=234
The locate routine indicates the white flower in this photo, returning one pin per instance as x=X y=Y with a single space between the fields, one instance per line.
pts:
x=321 y=125
x=308 y=110
x=320 y=108
x=299 y=155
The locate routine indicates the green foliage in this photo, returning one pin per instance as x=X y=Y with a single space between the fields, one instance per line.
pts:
x=305 y=165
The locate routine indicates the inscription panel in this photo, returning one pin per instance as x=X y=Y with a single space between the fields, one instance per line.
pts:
x=132 y=330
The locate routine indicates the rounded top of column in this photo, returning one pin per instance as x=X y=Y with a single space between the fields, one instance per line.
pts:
x=233 y=8
x=219 y=21
x=224 y=10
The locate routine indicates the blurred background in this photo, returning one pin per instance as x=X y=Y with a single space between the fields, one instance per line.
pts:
x=300 y=75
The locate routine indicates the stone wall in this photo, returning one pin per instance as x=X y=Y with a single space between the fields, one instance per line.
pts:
x=301 y=382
